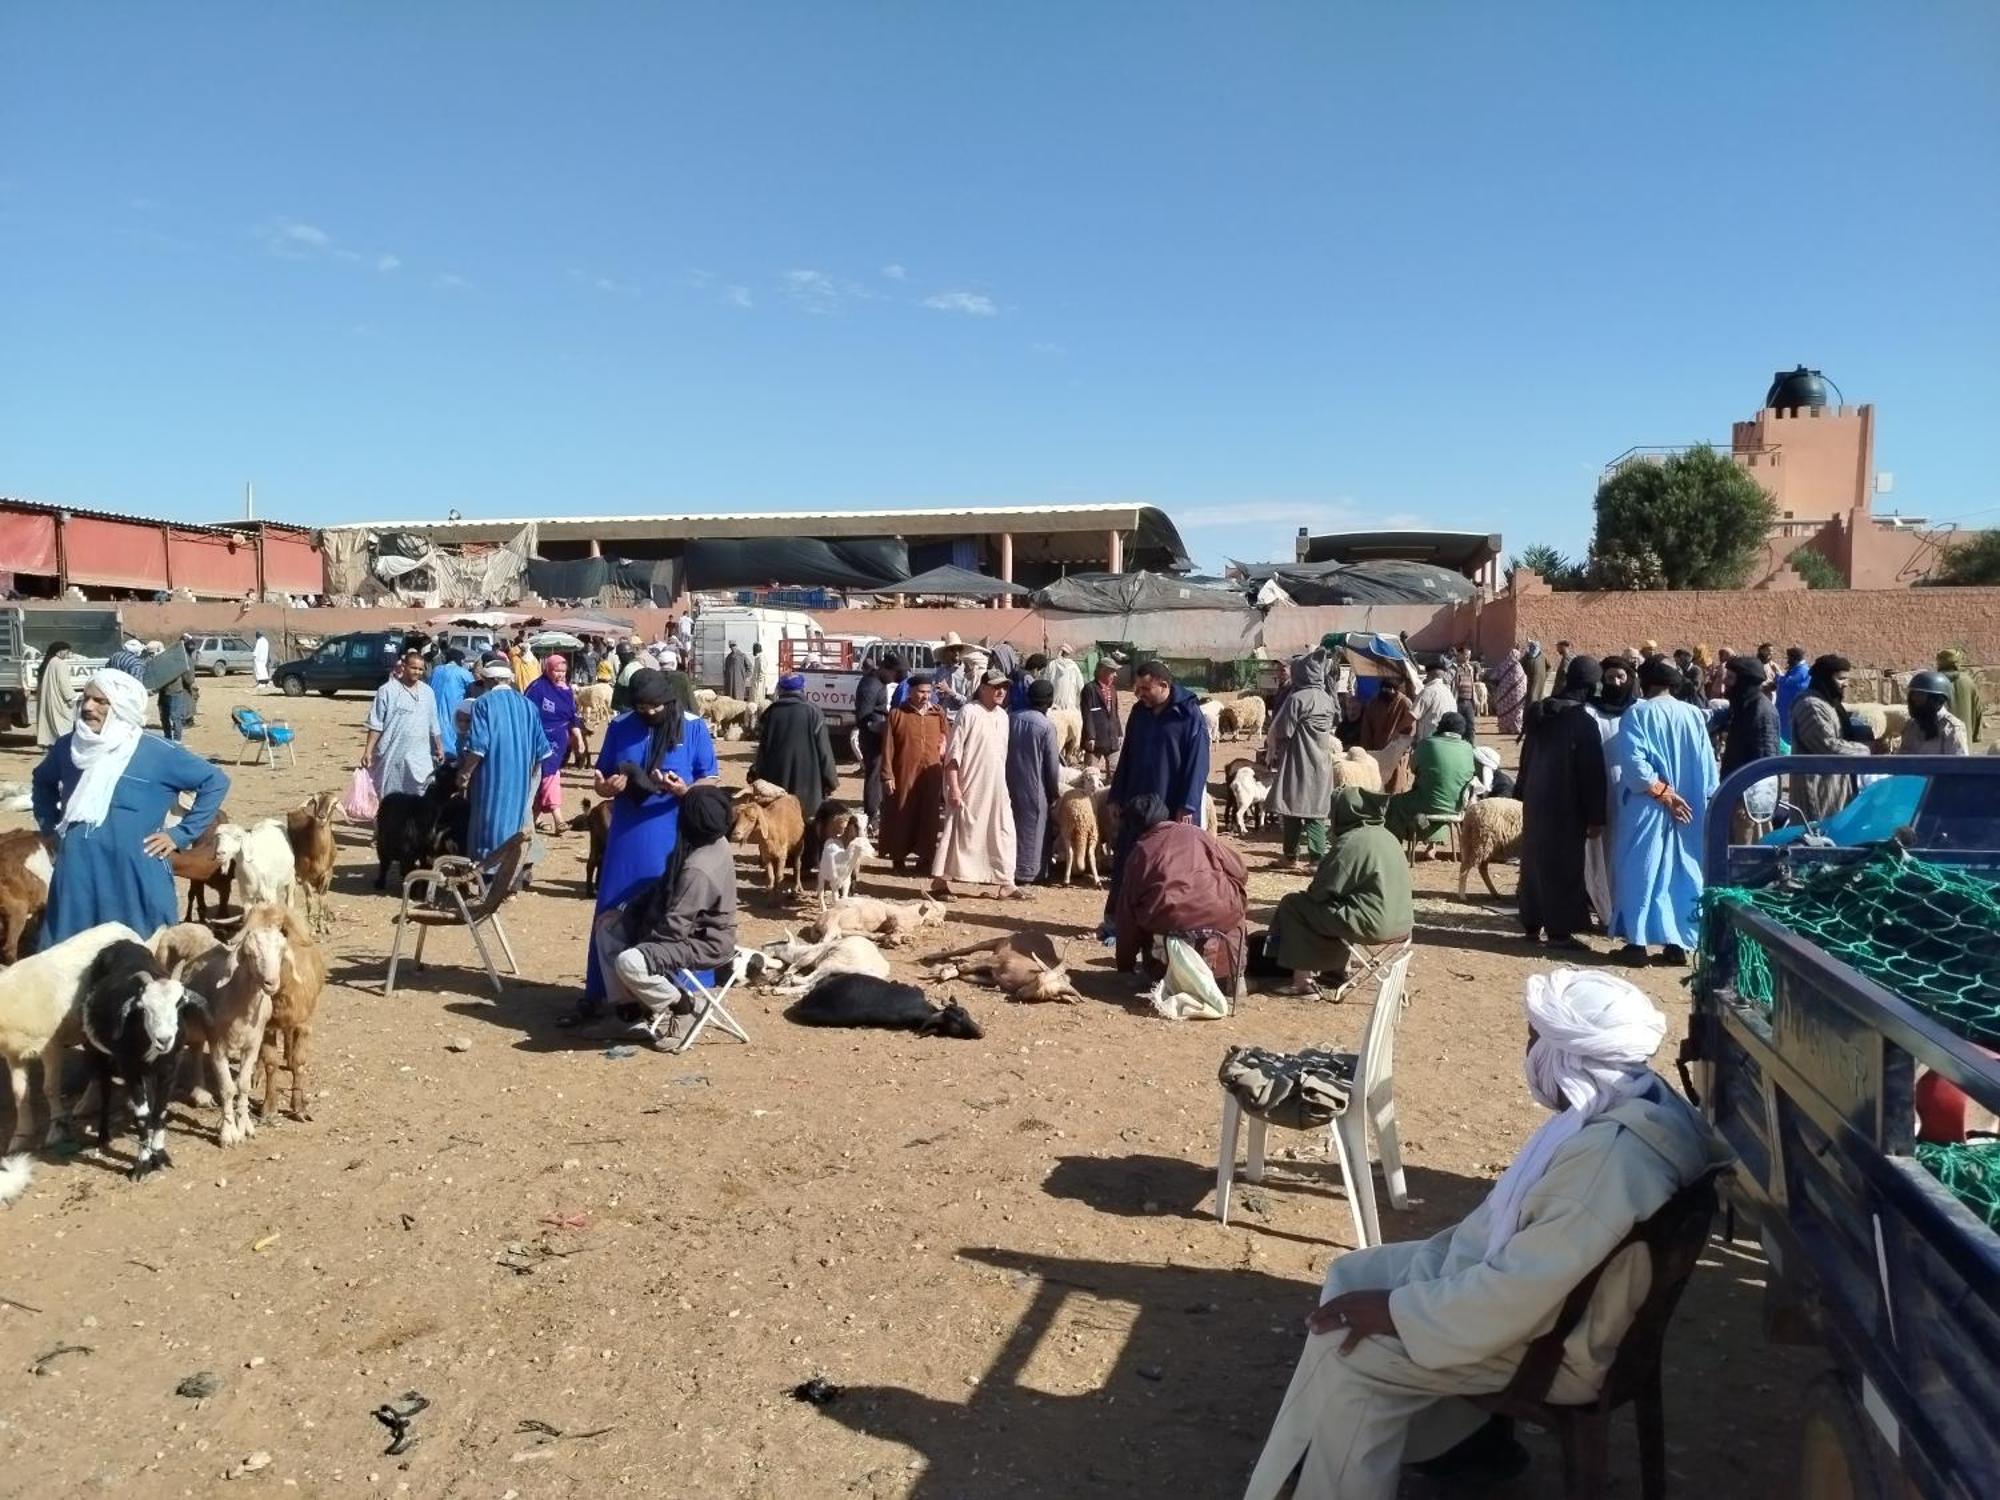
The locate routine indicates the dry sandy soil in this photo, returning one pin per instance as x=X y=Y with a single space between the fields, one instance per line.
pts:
x=609 y=1273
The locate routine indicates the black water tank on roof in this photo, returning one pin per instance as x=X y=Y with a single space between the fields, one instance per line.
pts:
x=1794 y=388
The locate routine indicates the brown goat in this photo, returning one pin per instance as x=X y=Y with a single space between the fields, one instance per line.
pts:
x=595 y=819
x=309 y=826
x=201 y=866
x=288 y=1034
x=1021 y=965
x=25 y=867
x=778 y=829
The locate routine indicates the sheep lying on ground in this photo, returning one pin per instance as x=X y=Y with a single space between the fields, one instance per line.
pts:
x=1021 y=965
x=1247 y=796
x=288 y=1033
x=232 y=988
x=1357 y=767
x=1076 y=828
x=1491 y=830
x=1069 y=733
x=870 y=916
x=39 y=1018
x=309 y=828
x=853 y=954
x=132 y=1024
x=863 y=1000
x=25 y=868
x=778 y=829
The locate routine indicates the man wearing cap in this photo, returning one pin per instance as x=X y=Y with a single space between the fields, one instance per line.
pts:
x=794 y=750
x=977 y=845
x=1402 y=1332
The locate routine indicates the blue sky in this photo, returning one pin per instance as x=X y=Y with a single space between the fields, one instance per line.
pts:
x=1262 y=265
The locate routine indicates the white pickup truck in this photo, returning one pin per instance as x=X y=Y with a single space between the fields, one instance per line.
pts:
x=832 y=666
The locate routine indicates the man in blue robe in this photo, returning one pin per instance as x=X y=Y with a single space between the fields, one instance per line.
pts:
x=1667 y=774
x=502 y=761
x=1165 y=753
x=449 y=684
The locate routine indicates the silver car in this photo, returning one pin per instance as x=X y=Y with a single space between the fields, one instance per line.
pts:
x=219 y=655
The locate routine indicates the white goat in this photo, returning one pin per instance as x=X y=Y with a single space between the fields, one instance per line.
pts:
x=852 y=954
x=839 y=862
x=39 y=1018
x=261 y=859
x=234 y=987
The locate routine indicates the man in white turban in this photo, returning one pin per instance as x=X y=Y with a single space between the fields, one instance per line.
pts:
x=1403 y=1329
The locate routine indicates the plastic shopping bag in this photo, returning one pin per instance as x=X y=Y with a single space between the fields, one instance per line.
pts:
x=360 y=800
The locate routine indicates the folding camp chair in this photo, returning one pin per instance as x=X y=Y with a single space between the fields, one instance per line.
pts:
x=1370 y=1100
x=1369 y=964
x=263 y=737
x=708 y=1003
x=1450 y=822
x=458 y=892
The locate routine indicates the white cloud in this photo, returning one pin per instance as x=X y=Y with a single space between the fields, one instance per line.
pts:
x=815 y=291
x=386 y=263
x=1043 y=346
x=973 y=304
x=609 y=285
x=738 y=296
x=450 y=281
x=895 y=272
x=295 y=239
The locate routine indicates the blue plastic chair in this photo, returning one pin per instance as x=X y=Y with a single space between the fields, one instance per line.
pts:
x=263 y=738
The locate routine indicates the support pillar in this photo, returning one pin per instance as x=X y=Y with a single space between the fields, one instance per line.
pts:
x=1006 y=563
x=1115 y=550
x=596 y=548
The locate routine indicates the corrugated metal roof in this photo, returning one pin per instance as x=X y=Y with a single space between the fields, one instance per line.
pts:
x=1104 y=512
x=43 y=507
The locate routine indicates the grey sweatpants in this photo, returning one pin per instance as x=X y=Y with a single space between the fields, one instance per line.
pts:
x=627 y=976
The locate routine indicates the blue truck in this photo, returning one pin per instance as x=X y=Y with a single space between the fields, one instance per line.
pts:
x=1816 y=1093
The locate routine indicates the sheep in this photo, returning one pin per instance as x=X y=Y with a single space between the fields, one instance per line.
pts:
x=25 y=870
x=730 y=717
x=1077 y=832
x=863 y=1000
x=1243 y=715
x=593 y=704
x=1021 y=965
x=309 y=828
x=133 y=1026
x=1357 y=767
x=287 y=1034
x=207 y=873
x=233 y=987
x=892 y=921
x=839 y=863
x=39 y=1017
x=778 y=829
x=1885 y=721
x=852 y=954
x=1490 y=830
x=260 y=857
x=1211 y=713
x=594 y=819
x=413 y=828
x=1247 y=796
x=1069 y=733
x=179 y=946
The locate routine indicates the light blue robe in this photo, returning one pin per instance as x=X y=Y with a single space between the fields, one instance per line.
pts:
x=103 y=874
x=448 y=685
x=1656 y=862
x=405 y=720
x=506 y=735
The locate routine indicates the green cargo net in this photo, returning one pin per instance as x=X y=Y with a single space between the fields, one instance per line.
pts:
x=1930 y=933
x=1970 y=1172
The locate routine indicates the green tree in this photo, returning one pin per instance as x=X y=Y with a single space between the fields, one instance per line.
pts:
x=1548 y=564
x=1973 y=562
x=1815 y=568
x=1695 y=521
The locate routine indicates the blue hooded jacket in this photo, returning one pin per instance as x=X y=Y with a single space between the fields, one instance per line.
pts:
x=1791 y=687
x=1165 y=753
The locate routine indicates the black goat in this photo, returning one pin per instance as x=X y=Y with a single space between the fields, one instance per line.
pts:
x=413 y=828
x=863 y=1000
x=132 y=1025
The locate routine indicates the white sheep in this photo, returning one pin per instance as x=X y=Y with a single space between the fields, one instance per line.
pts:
x=1211 y=713
x=39 y=1018
x=1243 y=716
x=260 y=858
x=1359 y=768
x=1069 y=733
x=1490 y=830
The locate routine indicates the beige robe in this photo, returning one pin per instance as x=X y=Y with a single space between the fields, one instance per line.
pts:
x=1464 y=1323
x=55 y=702
x=977 y=845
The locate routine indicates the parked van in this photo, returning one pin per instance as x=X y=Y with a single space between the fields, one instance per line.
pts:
x=716 y=630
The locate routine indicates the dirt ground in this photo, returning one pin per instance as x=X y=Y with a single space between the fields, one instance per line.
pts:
x=608 y=1273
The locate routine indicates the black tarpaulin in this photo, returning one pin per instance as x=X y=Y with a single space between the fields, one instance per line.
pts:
x=654 y=579
x=961 y=583
x=1386 y=582
x=860 y=563
x=1134 y=593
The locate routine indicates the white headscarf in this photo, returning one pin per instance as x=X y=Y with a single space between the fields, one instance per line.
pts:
x=103 y=754
x=1594 y=1035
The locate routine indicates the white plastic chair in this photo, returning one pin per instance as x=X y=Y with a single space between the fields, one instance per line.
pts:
x=709 y=1003
x=1371 y=1100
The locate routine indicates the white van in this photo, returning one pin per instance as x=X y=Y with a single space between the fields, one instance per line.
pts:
x=716 y=630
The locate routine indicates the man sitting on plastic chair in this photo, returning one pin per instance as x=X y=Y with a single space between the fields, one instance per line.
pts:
x=1359 y=898
x=684 y=923
x=1403 y=1329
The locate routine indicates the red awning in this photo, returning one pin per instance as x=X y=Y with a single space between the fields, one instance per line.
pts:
x=28 y=542
x=292 y=565
x=217 y=567
x=114 y=554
